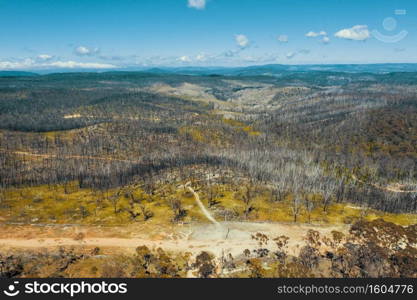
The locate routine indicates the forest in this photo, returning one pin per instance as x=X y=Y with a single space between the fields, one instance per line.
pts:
x=322 y=148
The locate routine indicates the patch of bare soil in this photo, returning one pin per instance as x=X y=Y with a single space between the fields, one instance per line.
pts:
x=229 y=237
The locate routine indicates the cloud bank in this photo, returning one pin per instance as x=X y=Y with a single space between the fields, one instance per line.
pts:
x=33 y=64
x=356 y=33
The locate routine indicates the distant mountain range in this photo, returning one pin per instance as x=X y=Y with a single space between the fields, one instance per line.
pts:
x=262 y=70
x=277 y=70
x=17 y=74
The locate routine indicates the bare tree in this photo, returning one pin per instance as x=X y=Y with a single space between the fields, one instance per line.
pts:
x=296 y=205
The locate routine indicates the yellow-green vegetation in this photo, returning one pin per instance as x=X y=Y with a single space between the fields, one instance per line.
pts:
x=266 y=207
x=242 y=126
x=214 y=137
x=219 y=135
x=69 y=204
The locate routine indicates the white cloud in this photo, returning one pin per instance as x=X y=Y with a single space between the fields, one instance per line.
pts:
x=16 y=65
x=290 y=55
x=316 y=34
x=44 y=57
x=325 y=40
x=82 y=50
x=357 y=33
x=85 y=51
x=73 y=64
x=31 y=64
x=201 y=57
x=184 y=59
x=242 y=40
x=320 y=34
x=197 y=4
x=282 y=38
x=312 y=34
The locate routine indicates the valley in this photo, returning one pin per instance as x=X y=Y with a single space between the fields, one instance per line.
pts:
x=239 y=173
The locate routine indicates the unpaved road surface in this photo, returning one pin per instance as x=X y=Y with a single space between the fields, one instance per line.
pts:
x=390 y=188
x=200 y=204
x=217 y=238
x=47 y=156
x=229 y=237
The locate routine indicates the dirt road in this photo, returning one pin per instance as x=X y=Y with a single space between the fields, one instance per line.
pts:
x=217 y=238
x=200 y=204
x=46 y=156
x=227 y=237
x=390 y=188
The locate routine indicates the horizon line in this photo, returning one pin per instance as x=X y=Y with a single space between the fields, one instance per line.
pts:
x=145 y=68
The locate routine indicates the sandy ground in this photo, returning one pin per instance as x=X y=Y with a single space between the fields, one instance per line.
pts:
x=200 y=204
x=216 y=237
x=227 y=237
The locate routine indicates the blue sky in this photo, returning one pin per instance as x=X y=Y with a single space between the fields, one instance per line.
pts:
x=36 y=34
